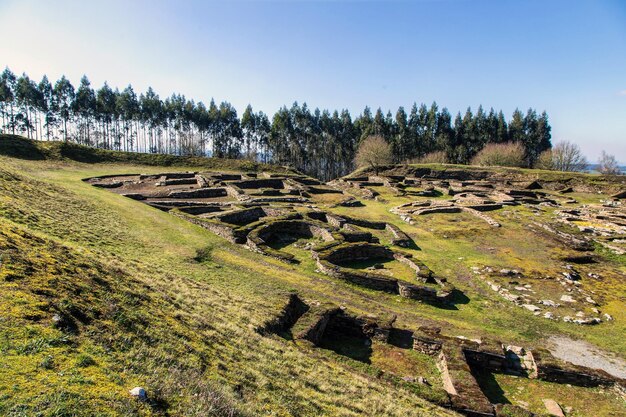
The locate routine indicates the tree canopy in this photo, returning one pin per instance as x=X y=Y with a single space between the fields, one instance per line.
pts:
x=322 y=143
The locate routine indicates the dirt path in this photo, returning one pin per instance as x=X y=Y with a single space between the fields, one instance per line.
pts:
x=582 y=353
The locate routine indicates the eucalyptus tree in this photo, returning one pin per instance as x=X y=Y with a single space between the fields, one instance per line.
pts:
x=30 y=102
x=127 y=106
x=263 y=129
x=363 y=124
x=517 y=129
x=64 y=96
x=151 y=117
x=502 y=130
x=7 y=98
x=84 y=108
x=248 y=128
x=402 y=137
x=105 y=114
x=48 y=107
x=444 y=133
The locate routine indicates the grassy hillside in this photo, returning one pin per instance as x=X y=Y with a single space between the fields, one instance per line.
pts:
x=99 y=294
x=19 y=147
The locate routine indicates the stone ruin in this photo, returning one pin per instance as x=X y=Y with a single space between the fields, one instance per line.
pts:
x=261 y=212
x=427 y=287
x=473 y=197
x=458 y=359
x=604 y=225
x=570 y=302
x=258 y=210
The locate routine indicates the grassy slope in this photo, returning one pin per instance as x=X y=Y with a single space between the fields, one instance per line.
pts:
x=198 y=318
x=137 y=309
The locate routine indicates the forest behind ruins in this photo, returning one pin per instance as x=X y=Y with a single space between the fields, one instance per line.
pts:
x=317 y=142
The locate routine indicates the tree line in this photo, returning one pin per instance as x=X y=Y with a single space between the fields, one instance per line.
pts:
x=318 y=142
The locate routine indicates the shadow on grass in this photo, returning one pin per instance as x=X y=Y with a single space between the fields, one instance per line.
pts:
x=18 y=147
x=353 y=347
x=401 y=338
x=457 y=297
x=490 y=387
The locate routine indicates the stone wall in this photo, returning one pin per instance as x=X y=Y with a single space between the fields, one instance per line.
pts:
x=227 y=231
x=180 y=181
x=554 y=370
x=259 y=183
x=465 y=393
x=242 y=217
x=399 y=237
x=199 y=193
x=312 y=325
x=287 y=317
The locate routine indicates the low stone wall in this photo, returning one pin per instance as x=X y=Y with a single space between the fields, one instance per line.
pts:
x=236 y=192
x=242 y=217
x=312 y=325
x=436 y=210
x=553 y=370
x=197 y=210
x=180 y=181
x=482 y=216
x=426 y=345
x=259 y=183
x=178 y=175
x=356 y=236
x=328 y=261
x=303 y=228
x=372 y=281
x=421 y=270
x=365 y=223
x=417 y=292
x=199 y=193
x=226 y=177
x=113 y=184
x=357 y=251
x=399 y=237
x=357 y=326
x=227 y=231
x=319 y=190
x=288 y=316
x=458 y=381
x=258 y=237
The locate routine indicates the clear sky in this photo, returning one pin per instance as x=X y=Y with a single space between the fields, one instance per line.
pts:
x=566 y=57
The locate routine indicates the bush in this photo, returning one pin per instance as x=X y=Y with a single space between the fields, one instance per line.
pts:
x=607 y=164
x=438 y=157
x=510 y=154
x=565 y=156
x=374 y=152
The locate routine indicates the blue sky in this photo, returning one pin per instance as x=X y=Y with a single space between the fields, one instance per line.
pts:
x=567 y=57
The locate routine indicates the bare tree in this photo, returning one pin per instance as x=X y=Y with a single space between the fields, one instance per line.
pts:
x=564 y=156
x=510 y=154
x=374 y=152
x=436 y=157
x=607 y=164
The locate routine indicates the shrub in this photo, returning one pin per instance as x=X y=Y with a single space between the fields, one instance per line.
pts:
x=565 y=156
x=607 y=165
x=438 y=157
x=374 y=152
x=510 y=154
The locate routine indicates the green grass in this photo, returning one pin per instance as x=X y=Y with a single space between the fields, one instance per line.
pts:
x=150 y=299
x=165 y=311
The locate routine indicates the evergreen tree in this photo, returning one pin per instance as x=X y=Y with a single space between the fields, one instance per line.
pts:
x=402 y=139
